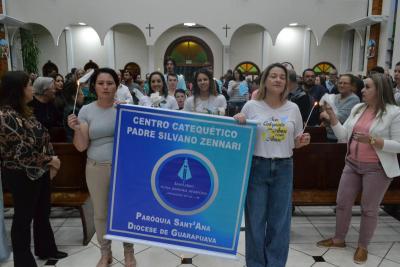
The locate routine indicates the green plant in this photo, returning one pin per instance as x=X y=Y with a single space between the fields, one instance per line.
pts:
x=30 y=51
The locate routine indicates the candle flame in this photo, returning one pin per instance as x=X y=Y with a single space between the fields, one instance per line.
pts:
x=315 y=103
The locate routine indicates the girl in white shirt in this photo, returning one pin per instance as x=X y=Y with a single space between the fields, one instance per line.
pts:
x=158 y=92
x=269 y=194
x=205 y=98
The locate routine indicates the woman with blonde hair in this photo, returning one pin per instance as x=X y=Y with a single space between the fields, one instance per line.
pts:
x=269 y=194
x=372 y=132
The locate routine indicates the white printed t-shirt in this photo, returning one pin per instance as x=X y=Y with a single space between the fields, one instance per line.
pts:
x=211 y=105
x=276 y=129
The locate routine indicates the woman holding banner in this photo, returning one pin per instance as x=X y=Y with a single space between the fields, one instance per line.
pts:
x=372 y=132
x=205 y=98
x=269 y=195
x=94 y=131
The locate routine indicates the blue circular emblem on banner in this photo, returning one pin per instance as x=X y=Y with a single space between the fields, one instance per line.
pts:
x=184 y=182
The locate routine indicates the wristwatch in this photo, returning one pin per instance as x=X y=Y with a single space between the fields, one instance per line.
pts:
x=372 y=140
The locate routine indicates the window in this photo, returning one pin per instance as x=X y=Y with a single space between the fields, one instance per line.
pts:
x=248 y=69
x=323 y=68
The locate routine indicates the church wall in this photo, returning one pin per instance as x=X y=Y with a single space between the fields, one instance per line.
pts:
x=329 y=48
x=246 y=45
x=130 y=46
x=49 y=51
x=86 y=44
x=289 y=47
x=273 y=15
x=172 y=34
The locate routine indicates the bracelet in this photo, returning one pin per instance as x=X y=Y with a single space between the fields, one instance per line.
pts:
x=372 y=140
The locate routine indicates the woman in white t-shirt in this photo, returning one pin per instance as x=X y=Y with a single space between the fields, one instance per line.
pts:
x=158 y=92
x=269 y=193
x=205 y=98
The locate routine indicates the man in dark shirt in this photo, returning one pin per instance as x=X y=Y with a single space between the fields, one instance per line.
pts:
x=298 y=96
x=315 y=92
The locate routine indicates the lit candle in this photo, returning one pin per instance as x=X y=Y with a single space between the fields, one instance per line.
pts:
x=76 y=97
x=309 y=115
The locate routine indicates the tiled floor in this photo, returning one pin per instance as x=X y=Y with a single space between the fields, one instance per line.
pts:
x=309 y=225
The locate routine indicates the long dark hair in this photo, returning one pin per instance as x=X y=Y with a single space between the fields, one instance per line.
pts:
x=241 y=76
x=211 y=83
x=164 y=89
x=12 y=92
x=196 y=89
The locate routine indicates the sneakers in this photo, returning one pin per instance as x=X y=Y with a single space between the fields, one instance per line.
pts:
x=329 y=243
x=360 y=256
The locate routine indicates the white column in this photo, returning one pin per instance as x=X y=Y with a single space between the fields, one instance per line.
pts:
x=357 y=46
x=346 y=51
x=150 y=58
x=69 y=44
x=226 y=53
x=110 y=48
x=266 y=50
x=306 y=49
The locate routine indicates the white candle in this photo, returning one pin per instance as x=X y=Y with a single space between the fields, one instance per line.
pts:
x=309 y=115
x=76 y=97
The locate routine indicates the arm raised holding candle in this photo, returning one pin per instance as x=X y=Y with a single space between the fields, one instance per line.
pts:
x=81 y=132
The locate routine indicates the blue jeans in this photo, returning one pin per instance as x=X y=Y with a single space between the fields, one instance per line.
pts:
x=268 y=212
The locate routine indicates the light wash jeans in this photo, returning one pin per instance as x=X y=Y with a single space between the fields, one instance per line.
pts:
x=268 y=212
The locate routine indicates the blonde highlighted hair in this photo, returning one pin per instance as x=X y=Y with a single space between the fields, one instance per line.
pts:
x=384 y=91
x=262 y=91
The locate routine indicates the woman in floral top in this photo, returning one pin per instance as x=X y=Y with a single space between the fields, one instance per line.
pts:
x=27 y=164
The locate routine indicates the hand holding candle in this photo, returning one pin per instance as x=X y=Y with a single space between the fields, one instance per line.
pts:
x=332 y=116
x=302 y=140
x=82 y=80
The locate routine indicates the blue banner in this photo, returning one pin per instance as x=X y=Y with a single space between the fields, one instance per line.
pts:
x=179 y=179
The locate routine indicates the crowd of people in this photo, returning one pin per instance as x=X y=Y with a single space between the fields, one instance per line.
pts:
x=361 y=112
